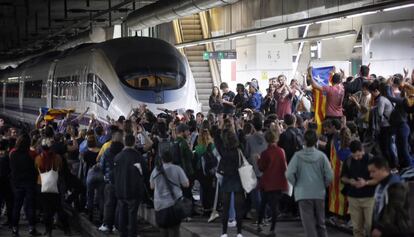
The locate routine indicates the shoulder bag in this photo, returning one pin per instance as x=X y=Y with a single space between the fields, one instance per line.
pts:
x=247 y=175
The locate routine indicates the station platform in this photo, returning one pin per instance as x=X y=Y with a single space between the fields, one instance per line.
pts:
x=198 y=227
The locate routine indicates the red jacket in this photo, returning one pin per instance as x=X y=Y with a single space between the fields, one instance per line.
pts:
x=272 y=163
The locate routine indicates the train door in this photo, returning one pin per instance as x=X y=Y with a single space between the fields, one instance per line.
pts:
x=49 y=85
x=22 y=78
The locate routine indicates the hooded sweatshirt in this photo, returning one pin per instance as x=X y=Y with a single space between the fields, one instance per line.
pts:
x=310 y=173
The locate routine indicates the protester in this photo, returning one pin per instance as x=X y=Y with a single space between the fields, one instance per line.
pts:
x=359 y=189
x=23 y=180
x=310 y=174
x=129 y=170
x=228 y=168
x=273 y=182
x=390 y=216
x=163 y=199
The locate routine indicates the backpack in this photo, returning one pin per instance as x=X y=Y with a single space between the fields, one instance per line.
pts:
x=167 y=145
x=209 y=161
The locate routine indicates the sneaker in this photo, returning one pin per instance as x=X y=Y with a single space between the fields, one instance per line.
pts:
x=214 y=215
x=15 y=232
x=103 y=228
x=231 y=224
x=224 y=235
x=239 y=235
x=394 y=171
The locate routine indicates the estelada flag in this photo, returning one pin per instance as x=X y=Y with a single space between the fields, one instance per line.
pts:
x=51 y=114
x=338 y=203
x=322 y=76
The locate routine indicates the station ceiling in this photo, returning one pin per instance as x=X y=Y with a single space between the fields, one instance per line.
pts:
x=29 y=26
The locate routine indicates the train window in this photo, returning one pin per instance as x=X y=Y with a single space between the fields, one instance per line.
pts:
x=66 y=88
x=97 y=92
x=161 y=81
x=33 y=89
x=12 y=90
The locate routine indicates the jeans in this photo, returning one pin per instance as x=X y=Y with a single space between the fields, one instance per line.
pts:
x=110 y=205
x=24 y=194
x=272 y=198
x=128 y=210
x=402 y=134
x=385 y=142
x=239 y=202
x=312 y=214
x=232 y=211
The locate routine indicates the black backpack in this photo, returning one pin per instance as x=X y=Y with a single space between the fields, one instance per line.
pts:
x=209 y=161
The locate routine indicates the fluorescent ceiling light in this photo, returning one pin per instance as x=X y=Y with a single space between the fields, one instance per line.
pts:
x=357 y=46
x=297 y=26
x=190 y=45
x=255 y=34
x=275 y=30
x=362 y=14
x=398 y=7
x=328 y=20
x=220 y=40
x=343 y=36
x=339 y=34
x=237 y=37
x=329 y=38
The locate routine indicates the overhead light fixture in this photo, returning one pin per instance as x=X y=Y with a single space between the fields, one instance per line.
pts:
x=255 y=34
x=357 y=46
x=398 y=7
x=328 y=20
x=275 y=30
x=237 y=37
x=362 y=14
x=297 y=26
x=219 y=41
x=322 y=37
x=343 y=36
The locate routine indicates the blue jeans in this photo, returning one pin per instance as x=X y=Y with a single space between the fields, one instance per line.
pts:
x=402 y=133
x=232 y=210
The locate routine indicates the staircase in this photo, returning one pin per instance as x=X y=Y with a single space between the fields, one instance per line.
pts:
x=191 y=30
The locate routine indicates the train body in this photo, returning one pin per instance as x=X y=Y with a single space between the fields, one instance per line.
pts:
x=111 y=78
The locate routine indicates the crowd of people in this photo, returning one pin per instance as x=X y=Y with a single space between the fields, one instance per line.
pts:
x=357 y=165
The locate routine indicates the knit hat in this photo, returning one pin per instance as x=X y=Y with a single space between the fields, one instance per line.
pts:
x=254 y=85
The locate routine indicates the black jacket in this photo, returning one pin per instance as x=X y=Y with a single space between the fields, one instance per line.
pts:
x=23 y=171
x=129 y=181
x=291 y=141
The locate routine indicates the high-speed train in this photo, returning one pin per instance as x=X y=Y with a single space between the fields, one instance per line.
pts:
x=111 y=78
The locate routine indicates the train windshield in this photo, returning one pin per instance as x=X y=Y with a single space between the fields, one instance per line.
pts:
x=157 y=82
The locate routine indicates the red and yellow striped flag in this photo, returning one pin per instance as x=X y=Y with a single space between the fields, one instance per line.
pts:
x=322 y=76
x=337 y=201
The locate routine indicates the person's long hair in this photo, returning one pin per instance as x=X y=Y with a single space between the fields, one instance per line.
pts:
x=218 y=96
x=23 y=143
x=204 y=138
x=230 y=140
